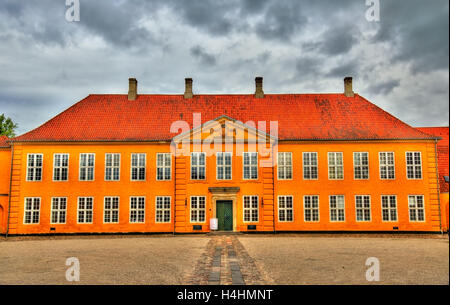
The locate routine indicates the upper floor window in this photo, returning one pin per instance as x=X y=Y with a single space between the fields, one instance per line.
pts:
x=59 y=206
x=87 y=165
x=34 y=167
x=416 y=208
x=251 y=208
x=111 y=210
x=311 y=208
x=223 y=165
x=362 y=203
x=138 y=167
x=60 y=167
x=285 y=208
x=32 y=210
x=163 y=166
x=162 y=209
x=335 y=166
x=112 y=167
x=361 y=165
x=387 y=166
x=389 y=207
x=310 y=165
x=198 y=166
x=414 y=165
x=337 y=208
x=284 y=165
x=198 y=208
x=250 y=162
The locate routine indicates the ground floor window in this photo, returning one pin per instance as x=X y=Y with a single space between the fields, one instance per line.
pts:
x=111 y=210
x=32 y=210
x=162 y=209
x=250 y=208
x=337 y=208
x=362 y=208
x=285 y=208
x=311 y=208
x=85 y=209
x=59 y=205
x=198 y=208
x=389 y=208
x=137 y=209
x=416 y=208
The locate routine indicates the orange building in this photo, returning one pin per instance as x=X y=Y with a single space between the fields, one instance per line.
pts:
x=186 y=163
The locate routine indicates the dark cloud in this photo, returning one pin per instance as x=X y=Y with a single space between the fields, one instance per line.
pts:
x=384 y=87
x=205 y=58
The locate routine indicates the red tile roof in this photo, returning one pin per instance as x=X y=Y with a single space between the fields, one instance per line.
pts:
x=442 y=149
x=149 y=117
x=3 y=142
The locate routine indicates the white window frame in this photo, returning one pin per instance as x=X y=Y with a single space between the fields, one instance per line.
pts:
x=250 y=208
x=34 y=167
x=60 y=167
x=58 y=210
x=416 y=208
x=164 y=166
x=250 y=165
x=335 y=166
x=224 y=166
x=283 y=168
x=138 y=167
x=386 y=165
x=310 y=165
x=85 y=210
x=112 y=166
x=311 y=208
x=361 y=166
x=163 y=209
x=285 y=208
x=33 y=210
x=337 y=208
x=198 y=166
x=197 y=210
x=363 y=208
x=414 y=165
x=87 y=167
x=137 y=209
x=389 y=208
x=111 y=209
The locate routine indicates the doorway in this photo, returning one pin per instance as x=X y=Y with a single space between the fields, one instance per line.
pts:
x=224 y=211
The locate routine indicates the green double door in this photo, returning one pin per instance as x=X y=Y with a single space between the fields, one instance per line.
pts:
x=224 y=211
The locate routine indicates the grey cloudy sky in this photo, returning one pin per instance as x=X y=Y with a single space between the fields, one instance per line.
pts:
x=400 y=63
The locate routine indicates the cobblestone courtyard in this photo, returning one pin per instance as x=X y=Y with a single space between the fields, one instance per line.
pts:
x=225 y=259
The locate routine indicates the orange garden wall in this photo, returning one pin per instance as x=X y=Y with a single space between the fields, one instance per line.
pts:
x=5 y=168
x=180 y=188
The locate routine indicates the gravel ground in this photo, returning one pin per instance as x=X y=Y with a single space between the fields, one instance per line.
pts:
x=341 y=260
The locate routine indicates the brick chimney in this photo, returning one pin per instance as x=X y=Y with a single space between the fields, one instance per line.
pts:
x=188 y=88
x=259 y=93
x=348 y=87
x=132 y=89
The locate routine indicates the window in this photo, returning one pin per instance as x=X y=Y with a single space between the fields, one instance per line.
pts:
x=163 y=166
x=389 y=208
x=198 y=166
x=137 y=167
x=111 y=210
x=284 y=165
x=416 y=208
x=309 y=165
x=59 y=206
x=361 y=165
x=362 y=208
x=112 y=167
x=414 y=165
x=337 y=208
x=285 y=208
x=87 y=164
x=250 y=208
x=163 y=209
x=250 y=162
x=335 y=166
x=311 y=208
x=387 y=167
x=32 y=208
x=137 y=209
x=60 y=167
x=34 y=167
x=85 y=209
x=198 y=208
x=223 y=165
